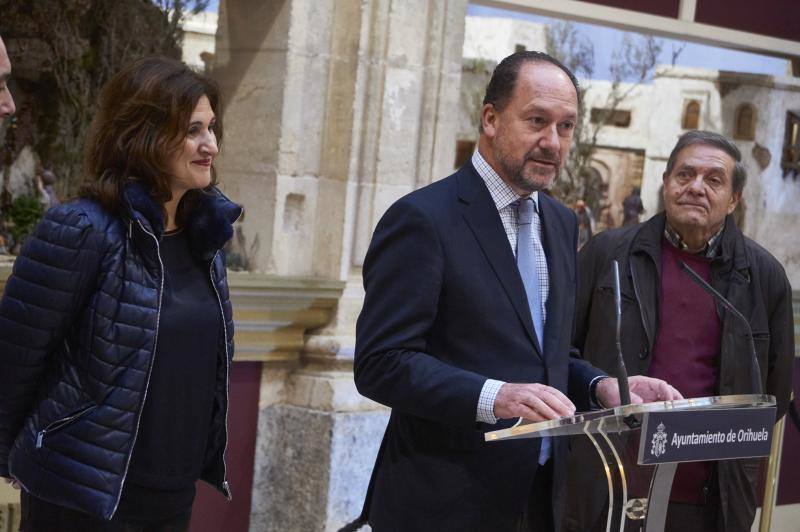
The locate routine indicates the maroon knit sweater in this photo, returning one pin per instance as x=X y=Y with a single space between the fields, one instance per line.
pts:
x=687 y=348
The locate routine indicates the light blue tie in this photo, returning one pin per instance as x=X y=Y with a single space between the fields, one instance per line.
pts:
x=526 y=262
x=529 y=271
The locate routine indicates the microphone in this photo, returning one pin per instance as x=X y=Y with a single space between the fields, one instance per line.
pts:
x=755 y=369
x=622 y=373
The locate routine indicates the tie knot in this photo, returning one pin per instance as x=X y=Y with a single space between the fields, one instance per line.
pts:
x=525 y=210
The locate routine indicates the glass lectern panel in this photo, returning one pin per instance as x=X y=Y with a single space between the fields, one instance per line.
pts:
x=638 y=493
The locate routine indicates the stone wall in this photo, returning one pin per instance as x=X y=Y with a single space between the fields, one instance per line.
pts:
x=492 y=39
x=772 y=201
x=199 y=39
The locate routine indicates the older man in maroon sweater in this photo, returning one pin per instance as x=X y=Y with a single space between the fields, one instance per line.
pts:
x=673 y=330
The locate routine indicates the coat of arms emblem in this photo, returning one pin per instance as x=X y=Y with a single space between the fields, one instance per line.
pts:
x=658 y=445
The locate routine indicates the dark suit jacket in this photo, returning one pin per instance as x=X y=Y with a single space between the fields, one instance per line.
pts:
x=445 y=309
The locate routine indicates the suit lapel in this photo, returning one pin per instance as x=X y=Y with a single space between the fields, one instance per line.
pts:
x=556 y=244
x=481 y=215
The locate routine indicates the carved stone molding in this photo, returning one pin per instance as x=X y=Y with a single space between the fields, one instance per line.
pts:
x=273 y=313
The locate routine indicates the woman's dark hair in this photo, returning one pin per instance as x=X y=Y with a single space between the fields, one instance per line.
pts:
x=142 y=120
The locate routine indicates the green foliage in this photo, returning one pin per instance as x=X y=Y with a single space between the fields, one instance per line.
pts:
x=24 y=213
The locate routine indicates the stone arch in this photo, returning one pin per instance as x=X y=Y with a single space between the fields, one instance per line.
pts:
x=600 y=168
x=598 y=175
x=691 y=115
x=596 y=185
x=744 y=122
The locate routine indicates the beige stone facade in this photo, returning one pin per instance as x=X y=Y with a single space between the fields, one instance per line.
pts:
x=199 y=39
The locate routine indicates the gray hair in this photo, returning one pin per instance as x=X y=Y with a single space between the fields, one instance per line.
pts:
x=709 y=138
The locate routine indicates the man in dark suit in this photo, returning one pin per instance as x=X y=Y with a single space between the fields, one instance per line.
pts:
x=467 y=319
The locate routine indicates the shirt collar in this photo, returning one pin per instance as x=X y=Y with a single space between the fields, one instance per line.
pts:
x=502 y=194
x=709 y=250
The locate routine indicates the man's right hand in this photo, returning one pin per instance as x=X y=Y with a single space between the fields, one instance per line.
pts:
x=12 y=481
x=536 y=402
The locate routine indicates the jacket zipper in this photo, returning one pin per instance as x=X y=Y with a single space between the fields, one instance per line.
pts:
x=149 y=370
x=62 y=423
x=225 y=488
x=639 y=304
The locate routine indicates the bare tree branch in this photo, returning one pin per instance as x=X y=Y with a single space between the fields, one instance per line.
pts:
x=633 y=64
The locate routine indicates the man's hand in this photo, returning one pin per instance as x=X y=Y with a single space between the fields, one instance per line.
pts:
x=12 y=481
x=536 y=402
x=643 y=390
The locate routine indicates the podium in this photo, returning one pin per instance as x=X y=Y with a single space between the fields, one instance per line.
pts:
x=640 y=446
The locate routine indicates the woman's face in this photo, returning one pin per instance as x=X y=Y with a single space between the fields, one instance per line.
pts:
x=191 y=167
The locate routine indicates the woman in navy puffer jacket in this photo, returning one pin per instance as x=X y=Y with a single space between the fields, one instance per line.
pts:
x=116 y=332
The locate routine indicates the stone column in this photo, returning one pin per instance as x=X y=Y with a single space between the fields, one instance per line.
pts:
x=335 y=109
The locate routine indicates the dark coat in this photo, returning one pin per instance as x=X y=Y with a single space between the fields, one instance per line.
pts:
x=445 y=309
x=748 y=276
x=78 y=332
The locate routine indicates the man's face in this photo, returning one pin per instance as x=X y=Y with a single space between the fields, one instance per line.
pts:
x=6 y=101
x=530 y=138
x=698 y=193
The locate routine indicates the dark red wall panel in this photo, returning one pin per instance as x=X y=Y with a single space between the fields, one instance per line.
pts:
x=774 y=18
x=664 y=8
x=212 y=511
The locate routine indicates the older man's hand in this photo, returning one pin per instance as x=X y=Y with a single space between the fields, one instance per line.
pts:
x=537 y=402
x=643 y=390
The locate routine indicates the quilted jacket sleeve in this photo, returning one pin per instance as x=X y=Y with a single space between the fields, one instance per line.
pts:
x=43 y=296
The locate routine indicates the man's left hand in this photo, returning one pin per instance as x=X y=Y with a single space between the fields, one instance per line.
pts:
x=643 y=390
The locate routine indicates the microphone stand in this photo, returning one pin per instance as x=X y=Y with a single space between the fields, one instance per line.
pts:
x=622 y=372
x=755 y=369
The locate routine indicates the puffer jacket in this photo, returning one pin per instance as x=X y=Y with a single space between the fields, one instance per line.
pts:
x=749 y=277
x=78 y=333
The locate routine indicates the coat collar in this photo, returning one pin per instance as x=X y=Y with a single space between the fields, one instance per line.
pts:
x=648 y=237
x=731 y=249
x=210 y=225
